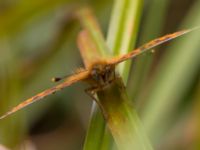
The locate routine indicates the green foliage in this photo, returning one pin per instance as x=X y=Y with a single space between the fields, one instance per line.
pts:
x=38 y=42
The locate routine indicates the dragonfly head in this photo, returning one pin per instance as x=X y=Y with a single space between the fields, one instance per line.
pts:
x=103 y=74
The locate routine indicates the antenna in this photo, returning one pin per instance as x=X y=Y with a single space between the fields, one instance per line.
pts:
x=57 y=79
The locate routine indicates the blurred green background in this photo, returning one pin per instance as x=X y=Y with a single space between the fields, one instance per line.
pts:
x=38 y=42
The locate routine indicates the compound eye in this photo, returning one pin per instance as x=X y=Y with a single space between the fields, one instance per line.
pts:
x=107 y=68
x=95 y=75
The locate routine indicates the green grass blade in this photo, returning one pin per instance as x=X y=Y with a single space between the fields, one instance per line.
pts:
x=90 y=46
x=90 y=24
x=131 y=129
x=122 y=35
x=121 y=119
x=152 y=26
x=123 y=30
x=174 y=75
x=96 y=130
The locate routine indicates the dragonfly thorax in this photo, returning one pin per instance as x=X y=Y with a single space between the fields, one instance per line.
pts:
x=102 y=74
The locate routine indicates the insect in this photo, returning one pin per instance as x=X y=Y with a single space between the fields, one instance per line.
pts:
x=99 y=74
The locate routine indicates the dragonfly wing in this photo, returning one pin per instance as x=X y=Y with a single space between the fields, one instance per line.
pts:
x=70 y=80
x=149 y=46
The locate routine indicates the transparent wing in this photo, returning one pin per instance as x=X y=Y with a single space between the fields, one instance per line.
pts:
x=149 y=46
x=70 y=80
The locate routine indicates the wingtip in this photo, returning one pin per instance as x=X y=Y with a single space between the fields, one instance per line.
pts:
x=2 y=117
x=193 y=29
x=5 y=115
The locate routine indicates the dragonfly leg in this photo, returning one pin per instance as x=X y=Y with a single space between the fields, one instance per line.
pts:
x=91 y=91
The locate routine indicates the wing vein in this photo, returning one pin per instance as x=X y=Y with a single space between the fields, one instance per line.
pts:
x=70 y=80
x=149 y=46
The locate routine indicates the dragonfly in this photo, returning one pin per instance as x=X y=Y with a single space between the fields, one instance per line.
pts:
x=99 y=74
